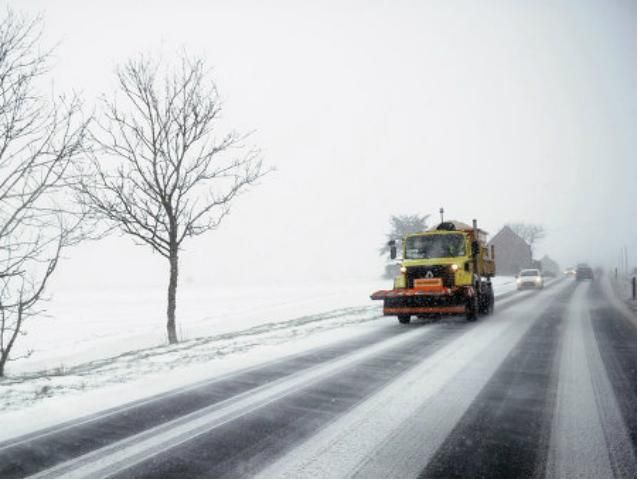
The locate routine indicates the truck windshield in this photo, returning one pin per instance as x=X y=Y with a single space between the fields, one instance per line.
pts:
x=434 y=246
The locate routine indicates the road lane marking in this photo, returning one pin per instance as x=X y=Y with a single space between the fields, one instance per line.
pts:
x=107 y=461
x=179 y=437
x=622 y=453
x=586 y=410
x=30 y=437
x=27 y=438
x=384 y=437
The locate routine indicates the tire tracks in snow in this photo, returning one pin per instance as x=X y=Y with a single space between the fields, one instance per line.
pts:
x=242 y=448
x=395 y=432
x=578 y=447
x=554 y=414
x=505 y=431
x=58 y=444
x=612 y=346
x=26 y=454
x=590 y=437
x=119 y=456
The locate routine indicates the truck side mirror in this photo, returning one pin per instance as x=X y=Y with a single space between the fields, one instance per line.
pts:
x=392 y=249
x=475 y=248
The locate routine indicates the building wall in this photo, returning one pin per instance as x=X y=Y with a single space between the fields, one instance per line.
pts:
x=512 y=252
x=549 y=266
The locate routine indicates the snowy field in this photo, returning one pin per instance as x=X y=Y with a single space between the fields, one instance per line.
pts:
x=96 y=349
x=86 y=325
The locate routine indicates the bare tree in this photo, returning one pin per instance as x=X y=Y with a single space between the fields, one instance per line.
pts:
x=159 y=172
x=39 y=139
x=402 y=225
x=529 y=232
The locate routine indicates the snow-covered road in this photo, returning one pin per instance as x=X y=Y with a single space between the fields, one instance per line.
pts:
x=546 y=386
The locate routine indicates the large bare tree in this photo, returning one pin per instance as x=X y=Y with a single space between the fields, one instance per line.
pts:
x=40 y=137
x=161 y=172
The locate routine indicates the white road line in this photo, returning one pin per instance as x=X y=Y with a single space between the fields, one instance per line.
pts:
x=578 y=446
x=116 y=457
x=55 y=430
x=394 y=433
x=622 y=453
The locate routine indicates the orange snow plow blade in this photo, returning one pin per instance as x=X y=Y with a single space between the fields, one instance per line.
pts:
x=424 y=298
x=410 y=292
x=418 y=310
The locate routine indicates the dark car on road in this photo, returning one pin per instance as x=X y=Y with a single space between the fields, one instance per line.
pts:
x=584 y=272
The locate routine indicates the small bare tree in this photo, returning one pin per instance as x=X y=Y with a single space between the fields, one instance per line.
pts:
x=159 y=172
x=39 y=139
x=402 y=225
x=529 y=232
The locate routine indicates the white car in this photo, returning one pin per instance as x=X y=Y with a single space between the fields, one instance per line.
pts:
x=529 y=278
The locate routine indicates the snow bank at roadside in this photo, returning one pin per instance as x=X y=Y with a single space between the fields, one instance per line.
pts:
x=87 y=325
x=503 y=284
x=40 y=399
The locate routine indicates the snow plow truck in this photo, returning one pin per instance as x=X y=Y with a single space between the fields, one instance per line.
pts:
x=445 y=270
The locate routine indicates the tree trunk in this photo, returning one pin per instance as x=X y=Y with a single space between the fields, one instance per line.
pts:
x=171 y=300
x=6 y=349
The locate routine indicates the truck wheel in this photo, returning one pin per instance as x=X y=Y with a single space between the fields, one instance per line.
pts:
x=471 y=309
x=488 y=301
x=404 y=318
x=483 y=304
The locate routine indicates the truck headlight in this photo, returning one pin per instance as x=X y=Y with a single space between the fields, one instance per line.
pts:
x=403 y=269
x=454 y=267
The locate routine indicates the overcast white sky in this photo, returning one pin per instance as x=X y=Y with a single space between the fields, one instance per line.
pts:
x=499 y=110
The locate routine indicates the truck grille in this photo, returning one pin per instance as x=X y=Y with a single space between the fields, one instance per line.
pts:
x=438 y=271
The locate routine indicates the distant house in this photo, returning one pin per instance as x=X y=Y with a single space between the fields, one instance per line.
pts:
x=549 y=266
x=512 y=252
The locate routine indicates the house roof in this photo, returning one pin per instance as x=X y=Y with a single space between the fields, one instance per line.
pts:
x=506 y=234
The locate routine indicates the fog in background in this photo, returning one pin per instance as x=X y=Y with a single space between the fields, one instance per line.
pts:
x=504 y=111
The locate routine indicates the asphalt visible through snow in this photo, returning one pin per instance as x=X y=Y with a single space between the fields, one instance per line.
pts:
x=544 y=387
x=505 y=433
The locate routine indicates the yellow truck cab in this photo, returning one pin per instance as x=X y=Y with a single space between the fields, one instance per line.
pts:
x=446 y=270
